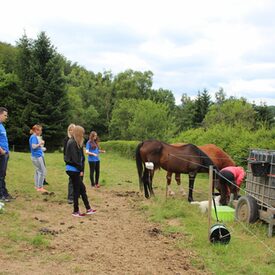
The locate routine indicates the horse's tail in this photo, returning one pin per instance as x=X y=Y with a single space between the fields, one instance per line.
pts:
x=139 y=166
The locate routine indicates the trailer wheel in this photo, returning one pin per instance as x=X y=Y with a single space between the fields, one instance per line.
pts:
x=247 y=210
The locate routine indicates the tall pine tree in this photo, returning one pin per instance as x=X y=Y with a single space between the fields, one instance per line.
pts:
x=40 y=70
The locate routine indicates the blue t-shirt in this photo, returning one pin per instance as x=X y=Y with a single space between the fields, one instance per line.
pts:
x=92 y=150
x=37 y=152
x=3 y=138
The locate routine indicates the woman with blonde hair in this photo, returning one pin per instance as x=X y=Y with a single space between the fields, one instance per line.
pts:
x=37 y=157
x=70 y=130
x=75 y=161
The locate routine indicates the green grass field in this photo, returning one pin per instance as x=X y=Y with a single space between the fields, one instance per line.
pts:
x=250 y=251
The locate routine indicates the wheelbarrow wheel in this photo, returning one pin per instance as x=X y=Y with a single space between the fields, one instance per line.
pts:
x=247 y=210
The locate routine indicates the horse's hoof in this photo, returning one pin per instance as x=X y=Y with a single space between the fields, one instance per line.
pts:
x=190 y=199
x=183 y=193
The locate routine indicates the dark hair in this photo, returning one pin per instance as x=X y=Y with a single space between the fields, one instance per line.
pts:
x=94 y=142
x=3 y=109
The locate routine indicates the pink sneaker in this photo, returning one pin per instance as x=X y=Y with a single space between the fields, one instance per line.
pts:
x=41 y=189
x=78 y=214
x=97 y=186
x=90 y=211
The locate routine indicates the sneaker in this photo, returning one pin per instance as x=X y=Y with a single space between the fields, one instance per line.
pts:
x=41 y=189
x=70 y=201
x=78 y=214
x=45 y=183
x=4 y=199
x=90 y=211
x=97 y=186
x=10 y=197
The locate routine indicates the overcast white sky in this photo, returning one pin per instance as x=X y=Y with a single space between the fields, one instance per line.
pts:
x=188 y=45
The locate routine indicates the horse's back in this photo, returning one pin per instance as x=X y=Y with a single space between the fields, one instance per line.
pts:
x=220 y=158
x=183 y=158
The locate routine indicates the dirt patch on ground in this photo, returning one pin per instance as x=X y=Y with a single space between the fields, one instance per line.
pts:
x=116 y=240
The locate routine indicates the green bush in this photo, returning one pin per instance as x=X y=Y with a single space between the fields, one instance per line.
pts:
x=122 y=147
x=235 y=140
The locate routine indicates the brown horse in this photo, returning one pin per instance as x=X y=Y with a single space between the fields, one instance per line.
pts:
x=188 y=159
x=220 y=159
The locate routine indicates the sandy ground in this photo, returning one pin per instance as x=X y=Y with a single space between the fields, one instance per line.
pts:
x=115 y=240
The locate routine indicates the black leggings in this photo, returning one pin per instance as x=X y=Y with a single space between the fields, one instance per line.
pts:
x=94 y=172
x=79 y=189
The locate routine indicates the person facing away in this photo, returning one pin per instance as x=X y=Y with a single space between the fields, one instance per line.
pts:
x=70 y=129
x=231 y=178
x=92 y=150
x=4 y=156
x=37 y=157
x=75 y=161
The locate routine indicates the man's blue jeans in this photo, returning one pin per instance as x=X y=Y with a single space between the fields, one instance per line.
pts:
x=3 y=169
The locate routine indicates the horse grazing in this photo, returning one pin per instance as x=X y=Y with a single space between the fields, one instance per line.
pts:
x=188 y=159
x=220 y=159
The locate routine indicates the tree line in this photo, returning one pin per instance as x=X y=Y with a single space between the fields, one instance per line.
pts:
x=39 y=85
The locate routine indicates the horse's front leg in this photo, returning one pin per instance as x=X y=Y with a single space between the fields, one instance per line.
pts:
x=192 y=177
x=177 y=178
x=169 y=191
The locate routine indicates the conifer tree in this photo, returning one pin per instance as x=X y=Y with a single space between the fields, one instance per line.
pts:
x=40 y=70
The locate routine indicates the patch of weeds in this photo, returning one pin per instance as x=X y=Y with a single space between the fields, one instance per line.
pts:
x=61 y=258
x=16 y=237
x=40 y=241
x=78 y=269
x=144 y=207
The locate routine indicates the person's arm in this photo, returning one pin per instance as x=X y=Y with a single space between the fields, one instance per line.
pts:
x=38 y=144
x=2 y=151
x=88 y=152
x=240 y=177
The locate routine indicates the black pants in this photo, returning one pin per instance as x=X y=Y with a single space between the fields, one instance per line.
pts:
x=94 y=172
x=70 y=190
x=3 y=169
x=79 y=189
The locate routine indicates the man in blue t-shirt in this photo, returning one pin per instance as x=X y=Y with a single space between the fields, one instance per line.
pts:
x=4 y=155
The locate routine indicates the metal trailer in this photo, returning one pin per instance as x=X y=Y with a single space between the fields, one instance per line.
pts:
x=259 y=199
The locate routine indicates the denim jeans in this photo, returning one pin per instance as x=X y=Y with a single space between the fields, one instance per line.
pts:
x=3 y=169
x=40 y=171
